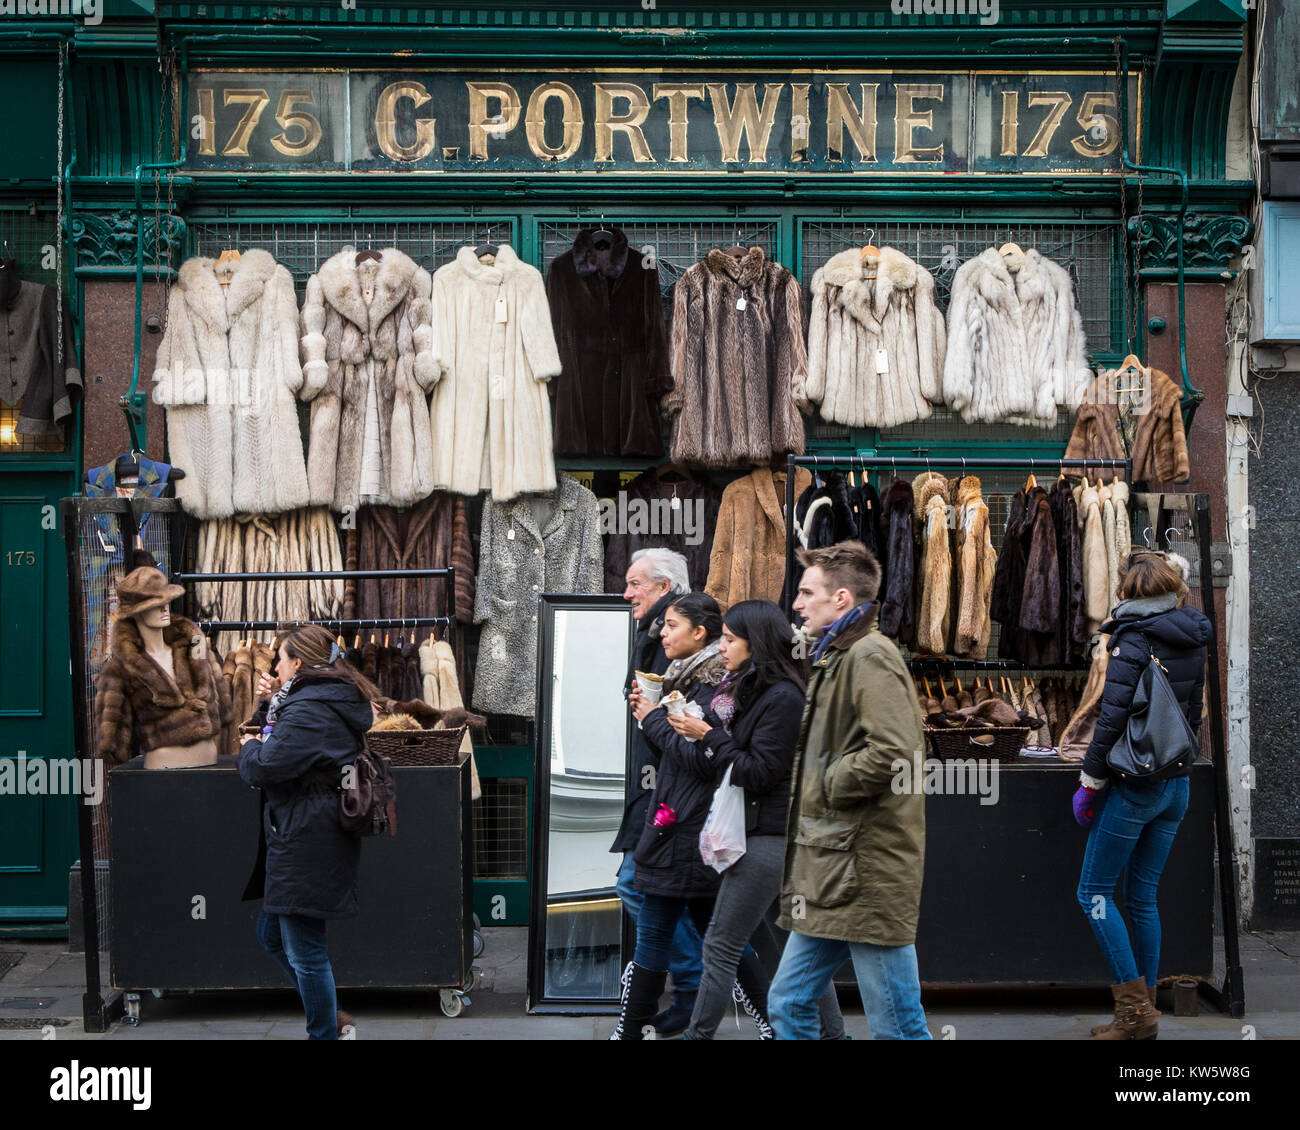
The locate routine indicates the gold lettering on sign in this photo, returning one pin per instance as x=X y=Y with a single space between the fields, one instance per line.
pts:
x=1102 y=136
x=840 y=111
x=629 y=123
x=310 y=126
x=481 y=124
x=743 y=118
x=800 y=123
x=1059 y=101
x=907 y=119
x=677 y=94
x=386 y=122
x=207 y=123
x=257 y=99
x=1010 y=123
x=535 y=121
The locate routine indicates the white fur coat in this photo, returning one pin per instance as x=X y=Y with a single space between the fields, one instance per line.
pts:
x=1016 y=348
x=364 y=322
x=491 y=412
x=227 y=372
x=852 y=318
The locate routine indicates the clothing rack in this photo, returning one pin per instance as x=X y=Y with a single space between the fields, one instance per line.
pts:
x=448 y=574
x=875 y=462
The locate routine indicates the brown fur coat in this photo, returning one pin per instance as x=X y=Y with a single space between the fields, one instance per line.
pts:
x=934 y=575
x=1160 y=445
x=738 y=373
x=974 y=561
x=138 y=708
x=748 y=561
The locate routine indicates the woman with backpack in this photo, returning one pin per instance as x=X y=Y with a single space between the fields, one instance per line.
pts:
x=314 y=725
x=1136 y=817
x=752 y=725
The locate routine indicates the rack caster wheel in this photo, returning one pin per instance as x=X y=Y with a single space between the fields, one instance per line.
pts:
x=132 y=1002
x=479 y=944
x=452 y=1002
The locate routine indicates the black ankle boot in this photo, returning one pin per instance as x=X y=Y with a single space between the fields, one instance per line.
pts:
x=677 y=1016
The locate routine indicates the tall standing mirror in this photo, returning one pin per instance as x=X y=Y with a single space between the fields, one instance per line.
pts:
x=576 y=929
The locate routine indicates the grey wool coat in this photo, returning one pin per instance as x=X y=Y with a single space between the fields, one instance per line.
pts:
x=555 y=547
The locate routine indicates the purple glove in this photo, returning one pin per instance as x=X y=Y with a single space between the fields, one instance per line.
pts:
x=1085 y=805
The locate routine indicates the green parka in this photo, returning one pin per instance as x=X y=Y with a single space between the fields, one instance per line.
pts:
x=855 y=847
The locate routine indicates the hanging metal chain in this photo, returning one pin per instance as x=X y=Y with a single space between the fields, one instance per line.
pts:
x=1130 y=325
x=58 y=211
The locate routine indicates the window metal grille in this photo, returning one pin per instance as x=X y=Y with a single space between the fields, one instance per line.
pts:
x=501 y=829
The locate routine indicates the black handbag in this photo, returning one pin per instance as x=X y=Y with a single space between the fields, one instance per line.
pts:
x=1158 y=741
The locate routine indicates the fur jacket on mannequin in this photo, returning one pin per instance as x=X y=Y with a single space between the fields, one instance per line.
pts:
x=227 y=372
x=738 y=373
x=138 y=708
x=934 y=575
x=491 y=411
x=748 y=560
x=852 y=319
x=364 y=323
x=1016 y=349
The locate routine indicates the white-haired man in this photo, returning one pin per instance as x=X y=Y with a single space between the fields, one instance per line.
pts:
x=654 y=577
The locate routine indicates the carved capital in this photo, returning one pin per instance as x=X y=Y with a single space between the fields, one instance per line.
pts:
x=106 y=242
x=1210 y=240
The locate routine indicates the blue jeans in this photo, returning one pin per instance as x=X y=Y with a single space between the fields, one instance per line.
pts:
x=298 y=945
x=887 y=979
x=1133 y=834
x=685 y=957
x=658 y=926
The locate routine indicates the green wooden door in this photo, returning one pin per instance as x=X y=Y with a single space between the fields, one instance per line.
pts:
x=38 y=833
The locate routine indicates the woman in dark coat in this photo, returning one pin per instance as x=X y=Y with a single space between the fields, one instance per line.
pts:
x=315 y=724
x=752 y=725
x=669 y=871
x=1138 y=820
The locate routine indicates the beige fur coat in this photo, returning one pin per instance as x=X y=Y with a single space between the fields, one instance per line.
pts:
x=491 y=412
x=974 y=562
x=748 y=559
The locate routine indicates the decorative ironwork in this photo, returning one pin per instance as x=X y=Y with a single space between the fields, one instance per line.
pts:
x=107 y=242
x=1210 y=240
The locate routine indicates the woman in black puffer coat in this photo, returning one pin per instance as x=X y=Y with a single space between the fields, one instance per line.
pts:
x=307 y=866
x=1138 y=820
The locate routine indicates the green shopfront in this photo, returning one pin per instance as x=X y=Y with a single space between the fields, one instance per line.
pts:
x=184 y=130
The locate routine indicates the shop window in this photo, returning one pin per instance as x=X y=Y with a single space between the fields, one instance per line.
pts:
x=501 y=829
x=13 y=442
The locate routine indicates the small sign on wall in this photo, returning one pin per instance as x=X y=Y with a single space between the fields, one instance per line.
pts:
x=1277 y=884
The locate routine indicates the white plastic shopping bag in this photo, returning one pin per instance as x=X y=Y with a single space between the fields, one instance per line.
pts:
x=722 y=839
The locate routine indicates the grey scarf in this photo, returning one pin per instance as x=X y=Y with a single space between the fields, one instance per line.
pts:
x=695 y=668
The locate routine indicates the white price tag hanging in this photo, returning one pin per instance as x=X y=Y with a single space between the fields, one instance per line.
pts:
x=882 y=362
x=510 y=534
x=676 y=503
x=741 y=303
x=500 y=309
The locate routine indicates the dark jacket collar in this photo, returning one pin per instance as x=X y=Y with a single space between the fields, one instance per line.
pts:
x=609 y=261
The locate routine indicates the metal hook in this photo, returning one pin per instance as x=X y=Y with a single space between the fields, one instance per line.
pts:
x=1146 y=537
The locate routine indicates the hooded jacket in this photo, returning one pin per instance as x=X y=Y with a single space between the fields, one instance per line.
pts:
x=227 y=372
x=1016 y=349
x=490 y=410
x=738 y=362
x=608 y=316
x=1178 y=637
x=875 y=346
x=310 y=863
x=353 y=346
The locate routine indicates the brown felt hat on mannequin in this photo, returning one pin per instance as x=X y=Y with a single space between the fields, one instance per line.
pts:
x=142 y=589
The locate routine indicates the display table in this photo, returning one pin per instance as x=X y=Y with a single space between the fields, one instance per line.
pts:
x=183 y=842
x=999 y=906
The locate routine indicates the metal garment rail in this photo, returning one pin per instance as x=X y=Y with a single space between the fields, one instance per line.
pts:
x=873 y=462
x=448 y=575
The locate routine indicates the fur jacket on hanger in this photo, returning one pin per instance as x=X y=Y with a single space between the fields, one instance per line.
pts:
x=738 y=362
x=748 y=561
x=1072 y=631
x=1096 y=577
x=974 y=561
x=702 y=495
x=853 y=320
x=934 y=574
x=227 y=372
x=1160 y=444
x=1016 y=348
x=897 y=616
x=528 y=546
x=491 y=410
x=138 y=708
x=362 y=324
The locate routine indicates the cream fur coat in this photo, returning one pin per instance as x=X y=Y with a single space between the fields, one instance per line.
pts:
x=491 y=412
x=852 y=318
x=227 y=373
x=1016 y=348
x=364 y=322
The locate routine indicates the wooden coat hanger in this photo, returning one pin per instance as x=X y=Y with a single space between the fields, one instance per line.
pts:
x=1013 y=256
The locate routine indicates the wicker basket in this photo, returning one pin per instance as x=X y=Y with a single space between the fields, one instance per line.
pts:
x=1003 y=743
x=417 y=747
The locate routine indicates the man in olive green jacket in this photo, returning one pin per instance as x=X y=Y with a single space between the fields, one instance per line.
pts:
x=855 y=835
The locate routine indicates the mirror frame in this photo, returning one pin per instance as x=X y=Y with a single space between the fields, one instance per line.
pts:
x=538 y=1001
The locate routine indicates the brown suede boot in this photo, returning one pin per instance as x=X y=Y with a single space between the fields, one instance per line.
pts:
x=1135 y=1016
x=1098 y=1029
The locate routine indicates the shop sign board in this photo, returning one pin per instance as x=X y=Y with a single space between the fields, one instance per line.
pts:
x=795 y=122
